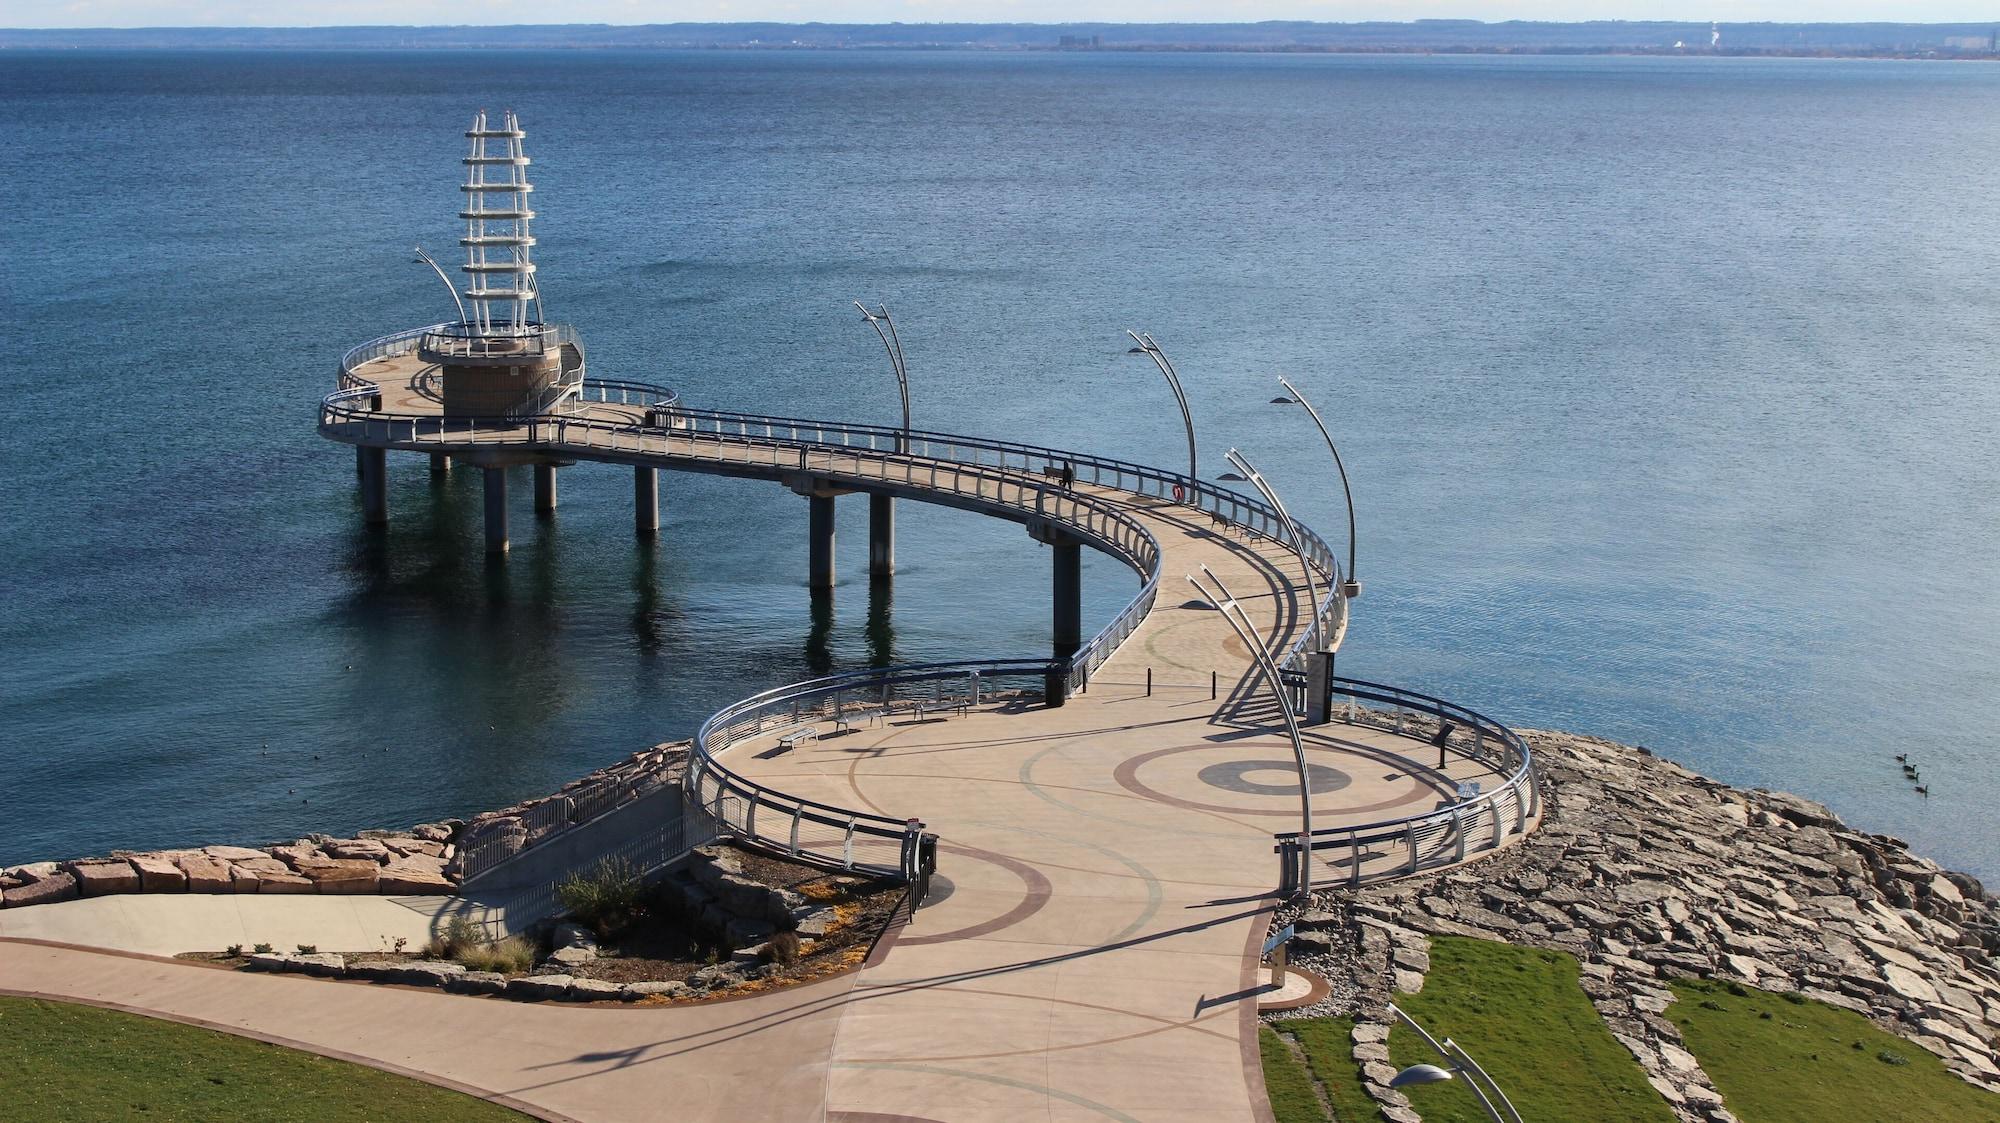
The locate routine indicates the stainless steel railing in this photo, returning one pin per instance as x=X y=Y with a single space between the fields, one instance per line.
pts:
x=1444 y=836
x=824 y=833
x=1014 y=480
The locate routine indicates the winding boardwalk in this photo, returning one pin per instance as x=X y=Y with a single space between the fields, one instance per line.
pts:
x=1090 y=949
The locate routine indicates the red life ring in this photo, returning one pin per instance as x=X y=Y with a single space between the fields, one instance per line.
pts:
x=1178 y=493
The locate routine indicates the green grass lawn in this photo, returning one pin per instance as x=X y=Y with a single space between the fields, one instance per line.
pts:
x=1779 y=1059
x=1328 y=1046
x=1522 y=1016
x=80 y=1063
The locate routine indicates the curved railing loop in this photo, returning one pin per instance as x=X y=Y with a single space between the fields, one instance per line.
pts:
x=1473 y=821
x=823 y=833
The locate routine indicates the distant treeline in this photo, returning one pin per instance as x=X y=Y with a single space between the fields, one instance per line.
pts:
x=1422 y=35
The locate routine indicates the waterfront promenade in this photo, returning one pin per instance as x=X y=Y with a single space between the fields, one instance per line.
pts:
x=1106 y=869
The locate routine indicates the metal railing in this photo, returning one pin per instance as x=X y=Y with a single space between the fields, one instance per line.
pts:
x=1444 y=836
x=822 y=833
x=1018 y=481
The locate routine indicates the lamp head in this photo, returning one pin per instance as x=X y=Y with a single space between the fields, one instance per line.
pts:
x=1420 y=1074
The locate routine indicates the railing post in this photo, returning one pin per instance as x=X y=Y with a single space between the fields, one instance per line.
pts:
x=1354 y=858
x=797 y=813
x=1458 y=828
x=1499 y=832
x=1410 y=837
x=847 y=847
x=750 y=817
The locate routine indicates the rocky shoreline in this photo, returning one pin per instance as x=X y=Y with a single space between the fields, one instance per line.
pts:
x=427 y=859
x=1646 y=872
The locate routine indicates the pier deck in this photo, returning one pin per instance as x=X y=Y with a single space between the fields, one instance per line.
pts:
x=1106 y=866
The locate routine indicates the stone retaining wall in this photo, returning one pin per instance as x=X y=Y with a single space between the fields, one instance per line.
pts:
x=426 y=859
x=408 y=862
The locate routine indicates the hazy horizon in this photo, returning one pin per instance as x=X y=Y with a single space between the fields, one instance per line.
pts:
x=164 y=14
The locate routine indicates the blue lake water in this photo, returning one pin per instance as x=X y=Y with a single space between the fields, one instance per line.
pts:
x=1666 y=387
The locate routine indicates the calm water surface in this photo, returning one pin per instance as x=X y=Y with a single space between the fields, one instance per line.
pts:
x=1666 y=386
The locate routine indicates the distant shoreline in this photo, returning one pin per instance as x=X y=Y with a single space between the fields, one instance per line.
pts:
x=959 y=48
x=1656 y=38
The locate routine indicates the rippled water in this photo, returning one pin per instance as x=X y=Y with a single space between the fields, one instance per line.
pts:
x=1665 y=386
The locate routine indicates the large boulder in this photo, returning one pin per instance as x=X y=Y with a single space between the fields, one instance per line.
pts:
x=97 y=878
x=57 y=886
x=341 y=875
x=368 y=848
x=282 y=883
x=414 y=874
x=159 y=874
x=296 y=852
x=539 y=986
x=204 y=874
x=232 y=853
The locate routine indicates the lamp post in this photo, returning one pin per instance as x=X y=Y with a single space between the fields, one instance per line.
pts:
x=1239 y=622
x=1351 y=587
x=1159 y=357
x=1462 y=1065
x=427 y=259
x=892 y=343
x=1236 y=459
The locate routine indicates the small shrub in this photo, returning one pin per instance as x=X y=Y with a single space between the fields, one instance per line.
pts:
x=606 y=900
x=308 y=949
x=1764 y=1015
x=1712 y=1004
x=261 y=949
x=1736 y=989
x=1795 y=998
x=782 y=949
x=233 y=950
x=511 y=956
x=460 y=933
x=401 y=943
x=1888 y=1058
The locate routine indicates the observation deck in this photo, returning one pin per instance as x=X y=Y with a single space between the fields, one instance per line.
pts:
x=1116 y=818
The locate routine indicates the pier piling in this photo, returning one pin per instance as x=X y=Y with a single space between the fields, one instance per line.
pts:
x=881 y=536
x=819 y=532
x=646 y=501
x=496 y=510
x=374 y=486
x=545 y=489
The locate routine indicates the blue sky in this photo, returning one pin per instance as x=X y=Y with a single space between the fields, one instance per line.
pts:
x=237 y=13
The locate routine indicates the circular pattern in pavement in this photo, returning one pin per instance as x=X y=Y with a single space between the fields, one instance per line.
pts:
x=1234 y=776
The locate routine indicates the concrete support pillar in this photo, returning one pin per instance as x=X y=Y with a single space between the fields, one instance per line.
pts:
x=496 y=510
x=545 y=488
x=440 y=464
x=646 y=501
x=374 y=486
x=1068 y=591
x=881 y=536
x=819 y=534
x=360 y=462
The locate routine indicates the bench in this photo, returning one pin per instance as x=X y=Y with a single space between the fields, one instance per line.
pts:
x=791 y=740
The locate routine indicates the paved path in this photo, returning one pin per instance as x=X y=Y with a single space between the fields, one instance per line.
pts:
x=1091 y=949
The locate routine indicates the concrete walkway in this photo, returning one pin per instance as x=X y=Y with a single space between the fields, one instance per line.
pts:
x=168 y=924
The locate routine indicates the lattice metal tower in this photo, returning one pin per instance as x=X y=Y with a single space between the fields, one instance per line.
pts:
x=499 y=257
x=502 y=358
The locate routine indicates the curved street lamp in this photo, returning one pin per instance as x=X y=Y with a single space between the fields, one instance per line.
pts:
x=893 y=344
x=1351 y=587
x=427 y=259
x=1239 y=621
x=1236 y=460
x=1462 y=1065
x=1159 y=357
